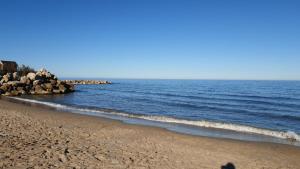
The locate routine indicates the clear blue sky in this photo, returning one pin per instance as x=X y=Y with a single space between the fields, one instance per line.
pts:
x=222 y=39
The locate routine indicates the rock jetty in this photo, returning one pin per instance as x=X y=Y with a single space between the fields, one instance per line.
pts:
x=76 y=82
x=40 y=83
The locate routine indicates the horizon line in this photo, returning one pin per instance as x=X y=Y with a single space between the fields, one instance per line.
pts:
x=137 y=78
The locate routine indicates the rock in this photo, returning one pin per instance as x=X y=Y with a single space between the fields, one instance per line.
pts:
x=24 y=79
x=20 y=88
x=5 y=87
x=5 y=79
x=11 y=93
x=10 y=76
x=31 y=76
x=71 y=87
x=2 y=81
x=58 y=82
x=36 y=82
x=48 y=75
x=47 y=86
x=22 y=92
x=16 y=76
x=39 y=90
x=15 y=93
x=56 y=91
x=1 y=91
x=53 y=82
x=43 y=71
x=62 y=88
x=41 y=78
x=14 y=83
x=41 y=82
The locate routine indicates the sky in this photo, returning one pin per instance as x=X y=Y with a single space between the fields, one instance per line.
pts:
x=165 y=39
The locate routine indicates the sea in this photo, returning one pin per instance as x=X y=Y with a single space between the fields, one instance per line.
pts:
x=264 y=111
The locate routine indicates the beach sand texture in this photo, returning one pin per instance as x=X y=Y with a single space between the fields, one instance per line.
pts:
x=37 y=137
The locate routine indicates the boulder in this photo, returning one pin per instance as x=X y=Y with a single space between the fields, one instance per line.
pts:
x=53 y=82
x=47 y=86
x=48 y=75
x=42 y=82
x=25 y=80
x=10 y=76
x=2 y=81
x=15 y=93
x=58 y=82
x=41 y=78
x=20 y=88
x=39 y=90
x=5 y=79
x=31 y=76
x=16 y=76
x=62 y=88
x=12 y=93
x=22 y=92
x=36 y=82
x=14 y=83
x=1 y=91
x=56 y=91
x=5 y=87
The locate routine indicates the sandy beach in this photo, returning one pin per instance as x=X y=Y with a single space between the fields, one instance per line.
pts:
x=37 y=137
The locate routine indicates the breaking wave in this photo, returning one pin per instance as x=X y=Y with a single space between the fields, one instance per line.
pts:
x=289 y=135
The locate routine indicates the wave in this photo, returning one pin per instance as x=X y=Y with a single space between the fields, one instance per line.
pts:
x=289 y=135
x=235 y=98
x=229 y=108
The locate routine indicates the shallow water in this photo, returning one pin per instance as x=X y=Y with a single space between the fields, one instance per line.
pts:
x=270 y=108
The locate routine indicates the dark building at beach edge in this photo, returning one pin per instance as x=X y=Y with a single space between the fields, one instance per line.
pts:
x=8 y=67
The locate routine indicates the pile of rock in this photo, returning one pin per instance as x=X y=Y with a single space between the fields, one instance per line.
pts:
x=75 y=82
x=39 y=83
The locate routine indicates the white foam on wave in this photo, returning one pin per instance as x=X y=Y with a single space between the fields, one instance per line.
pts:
x=227 y=126
x=40 y=102
x=290 y=135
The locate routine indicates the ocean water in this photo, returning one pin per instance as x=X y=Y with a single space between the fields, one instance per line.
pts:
x=247 y=110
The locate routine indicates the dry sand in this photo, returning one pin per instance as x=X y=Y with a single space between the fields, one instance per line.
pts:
x=36 y=137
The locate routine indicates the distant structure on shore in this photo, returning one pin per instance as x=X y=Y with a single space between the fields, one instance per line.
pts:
x=8 y=67
x=86 y=82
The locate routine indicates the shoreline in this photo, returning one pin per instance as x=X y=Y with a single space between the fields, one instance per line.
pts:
x=121 y=144
x=181 y=126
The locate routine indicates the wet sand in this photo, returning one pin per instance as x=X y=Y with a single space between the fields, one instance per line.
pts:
x=37 y=137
